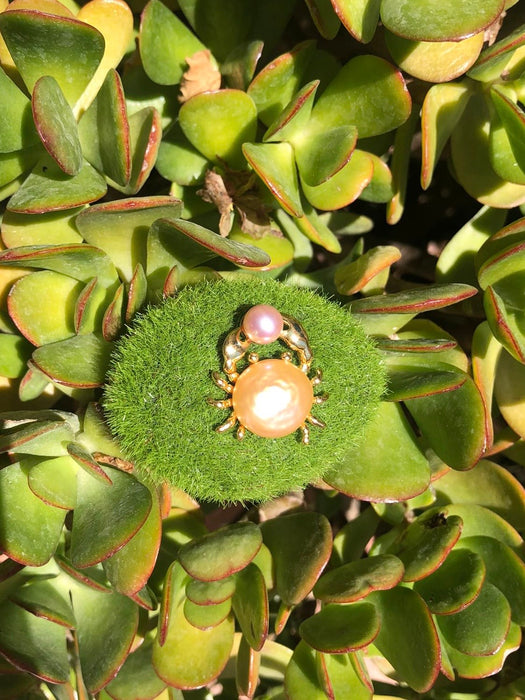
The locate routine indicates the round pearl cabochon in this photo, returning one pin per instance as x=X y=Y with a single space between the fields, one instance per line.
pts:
x=272 y=398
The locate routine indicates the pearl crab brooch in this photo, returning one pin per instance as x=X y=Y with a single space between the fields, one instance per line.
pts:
x=274 y=397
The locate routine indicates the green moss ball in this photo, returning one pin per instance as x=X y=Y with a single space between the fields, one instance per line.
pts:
x=160 y=378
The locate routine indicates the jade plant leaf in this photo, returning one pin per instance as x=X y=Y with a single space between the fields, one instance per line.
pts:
x=136 y=672
x=250 y=604
x=359 y=17
x=376 y=471
x=84 y=459
x=291 y=124
x=337 y=629
x=429 y=20
x=165 y=42
x=178 y=160
x=66 y=361
x=29 y=528
x=102 y=645
x=455 y=584
x=47 y=437
x=410 y=380
x=45 y=44
x=218 y=123
x=17 y=129
x=353 y=276
x=494 y=58
x=344 y=673
x=14 y=353
x=356 y=579
x=33 y=644
x=247 y=665
x=54 y=228
x=145 y=133
x=274 y=164
x=205 y=617
x=300 y=544
x=210 y=592
x=53 y=480
x=48 y=188
x=468 y=630
x=43 y=599
x=347 y=100
x=302 y=678
x=120 y=228
x=117 y=511
x=478 y=520
x=56 y=125
x=469 y=666
x=219 y=554
x=408 y=637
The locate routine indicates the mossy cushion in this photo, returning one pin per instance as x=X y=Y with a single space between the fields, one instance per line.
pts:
x=156 y=395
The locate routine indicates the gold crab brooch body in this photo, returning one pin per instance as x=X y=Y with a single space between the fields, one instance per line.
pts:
x=274 y=397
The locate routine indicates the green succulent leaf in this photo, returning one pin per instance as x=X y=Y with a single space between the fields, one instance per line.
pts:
x=300 y=544
x=136 y=672
x=165 y=42
x=493 y=60
x=45 y=44
x=145 y=134
x=43 y=599
x=53 y=480
x=411 y=380
x=408 y=637
x=210 y=592
x=219 y=554
x=250 y=605
x=178 y=160
x=29 y=528
x=14 y=353
x=469 y=630
x=344 y=673
x=478 y=520
x=316 y=230
x=360 y=17
x=388 y=464
x=17 y=130
x=469 y=666
x=337 y=629
x=47 y=437
x=218 y=123
x=291 y=124
x=119 y=510
x=205 y=617
x=302 y=678
x=33 y=644
x=348 y=100
x=351 y=540
x=56 y=125
x=80 y=362
x=356 y=579
x=447 y=20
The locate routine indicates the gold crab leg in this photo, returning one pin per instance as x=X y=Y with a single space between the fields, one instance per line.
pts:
x=241 y=432
x=317 y=378
x=321 y=398
x=227 y=424
x=219 y=403
x=305 y=430
x=221 y=383
x=315 y=421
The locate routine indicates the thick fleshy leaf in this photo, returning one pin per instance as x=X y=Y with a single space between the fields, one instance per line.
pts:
x=29 y=528
x=273 y=88
x=494 y=58
x=49 y=189
x=408 y=638
x=400 y=165
x=302 y=679
x=508 y=388
x=293 y=120
x=137 y=672
x=55 y=228
x=102 y=644
x=446 y=20
x=344 y=673
x=84 y=459
x=14 y=353
x=434 y=61
x=130 y=567
x=355 y=580
x=481 y=628
x=178 y=160
x=505 y=571
x=80 y=362
x=46 y=434
x=204 y=617
x=337 y=629
x=502 y=158
x=414 y=300
x=33 y=644
x=218 y=123
x=42 y=305
x=278 y=247
x=507 y=261
x=359 y=17
x=387 y=465
x=44 y=44
x=489 y=485
x=442 y=108
x=43 y=599
x=145 y=134
x=455 y=584
x=478 y=520
x=205 y=241
x=117 y=511
x=56 y=125
x=412 y=379
x=165 y=42
x=17 y=129
x=219 y=554
x=53 y=480
x=320 y=156
x=89 y=307
x=426 y=543
x=348 y=100
x=274 y=164
x=120 y=228
x=300 y=544
x=247 y=667
x=453 y=423
x=352 y=538
x=250 y=604
x=352 y=277
x=104 y=131
x=344 y=186
x=239 y=66
x=482 y=666
x=93 y=577
x=210 y=592
x=471 y=159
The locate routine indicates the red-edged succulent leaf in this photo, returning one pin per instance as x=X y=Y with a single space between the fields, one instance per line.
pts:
x=352 y=277
x=478 y=520
x=469 y=666
x=247 y=669
x=338 y=629
x=316 y=230
x=113 y=319
x=414 y=300
x=400 y=164
x=53 y=480
x=219 y=554
x=293 y=120
x=250 y=604
x=145 y=134
x=117 y=511
x=412 y=379
x=344 y=673
x=495 y=57
x=352 y=538
x=388 y=464
x=56 y=125
x=302 y=679
x=137 y=293
x=92 y=576
x=14 y=354
x=43 y=599
x=137 y=672
x=47 y=436
x=85 y=459
x=17 y=130
x=205 y=617
x=408 y=637
x=356 y=579
x=66 y=361
x=359 y=17
x=300 y=544
x=210 y=592
x=345 y=186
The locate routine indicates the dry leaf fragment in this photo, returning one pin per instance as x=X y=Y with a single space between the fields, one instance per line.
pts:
x=201 y=76
x=215 y=192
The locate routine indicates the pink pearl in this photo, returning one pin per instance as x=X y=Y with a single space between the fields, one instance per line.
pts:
x=272 y=398
x=262 y=324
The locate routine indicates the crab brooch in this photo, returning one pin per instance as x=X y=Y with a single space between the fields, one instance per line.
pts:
x=270 y=398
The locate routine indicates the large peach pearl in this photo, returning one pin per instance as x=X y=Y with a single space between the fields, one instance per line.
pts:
x=262 y=324
x=272 y=398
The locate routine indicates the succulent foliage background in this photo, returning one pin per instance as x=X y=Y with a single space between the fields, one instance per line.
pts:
x=358 y=162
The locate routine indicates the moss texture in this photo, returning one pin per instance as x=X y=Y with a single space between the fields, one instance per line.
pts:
x=160 y=377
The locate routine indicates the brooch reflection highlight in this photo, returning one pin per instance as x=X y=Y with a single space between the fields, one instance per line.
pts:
x=270 y=398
